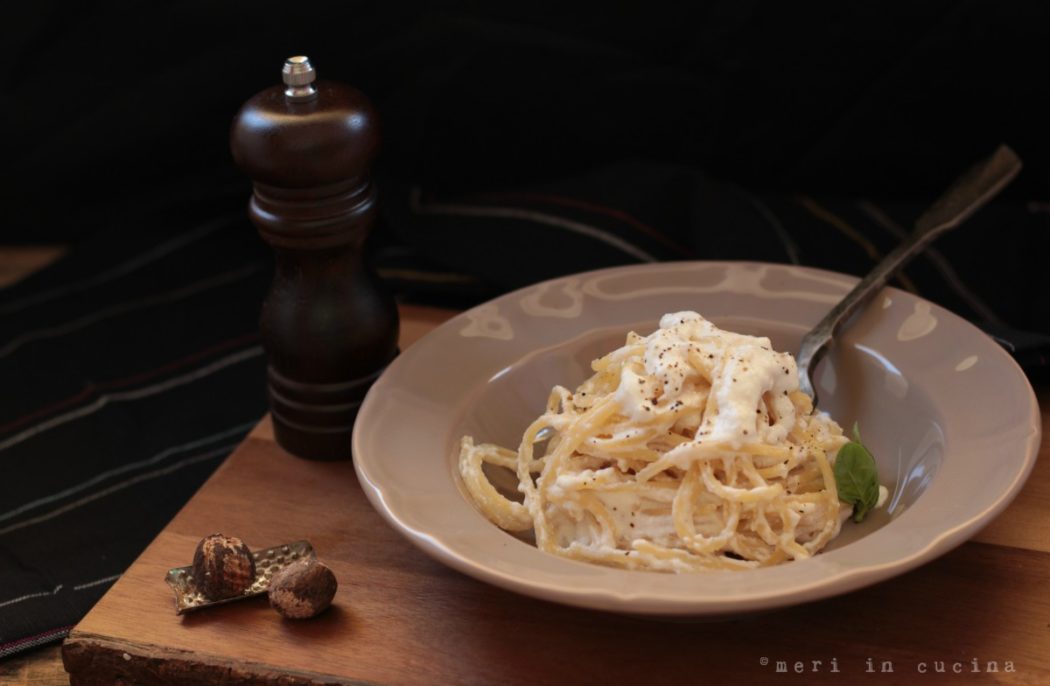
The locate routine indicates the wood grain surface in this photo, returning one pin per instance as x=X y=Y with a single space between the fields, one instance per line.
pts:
x=41 y=667
x=16 y=263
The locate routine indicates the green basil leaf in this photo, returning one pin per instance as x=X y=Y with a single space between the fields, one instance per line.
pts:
x=856 y=477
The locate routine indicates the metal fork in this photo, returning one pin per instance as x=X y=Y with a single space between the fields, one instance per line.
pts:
x=964 y=197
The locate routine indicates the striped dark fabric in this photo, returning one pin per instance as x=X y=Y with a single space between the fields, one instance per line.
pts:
x=130 y=370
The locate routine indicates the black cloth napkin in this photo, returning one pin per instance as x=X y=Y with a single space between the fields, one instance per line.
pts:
x=521 y=142
x=130 y=369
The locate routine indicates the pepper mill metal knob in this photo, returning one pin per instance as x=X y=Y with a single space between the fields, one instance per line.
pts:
x=327 y=325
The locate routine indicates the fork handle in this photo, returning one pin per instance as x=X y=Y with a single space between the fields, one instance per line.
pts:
x=964 y=197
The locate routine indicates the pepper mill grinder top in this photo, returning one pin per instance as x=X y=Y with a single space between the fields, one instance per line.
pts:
x=309 y=133
x=327 y=325
x=299 y=75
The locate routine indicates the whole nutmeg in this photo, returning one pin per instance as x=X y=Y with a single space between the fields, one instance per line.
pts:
x=303 y=589
x=223 y=567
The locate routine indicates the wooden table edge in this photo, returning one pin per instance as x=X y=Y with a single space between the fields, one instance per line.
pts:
x=93 y=660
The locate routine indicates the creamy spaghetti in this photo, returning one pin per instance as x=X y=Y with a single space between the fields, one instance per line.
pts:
x=688 y=449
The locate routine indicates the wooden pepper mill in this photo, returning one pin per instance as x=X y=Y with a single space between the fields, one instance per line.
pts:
x=328 y=327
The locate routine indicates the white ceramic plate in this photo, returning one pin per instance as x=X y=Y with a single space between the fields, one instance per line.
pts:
x=950 y=417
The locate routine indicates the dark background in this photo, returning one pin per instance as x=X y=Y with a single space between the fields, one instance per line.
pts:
x=108 y=102
x=119 y=112
x=118 y=120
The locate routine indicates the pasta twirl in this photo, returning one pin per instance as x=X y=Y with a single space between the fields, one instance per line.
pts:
x=688 y=449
